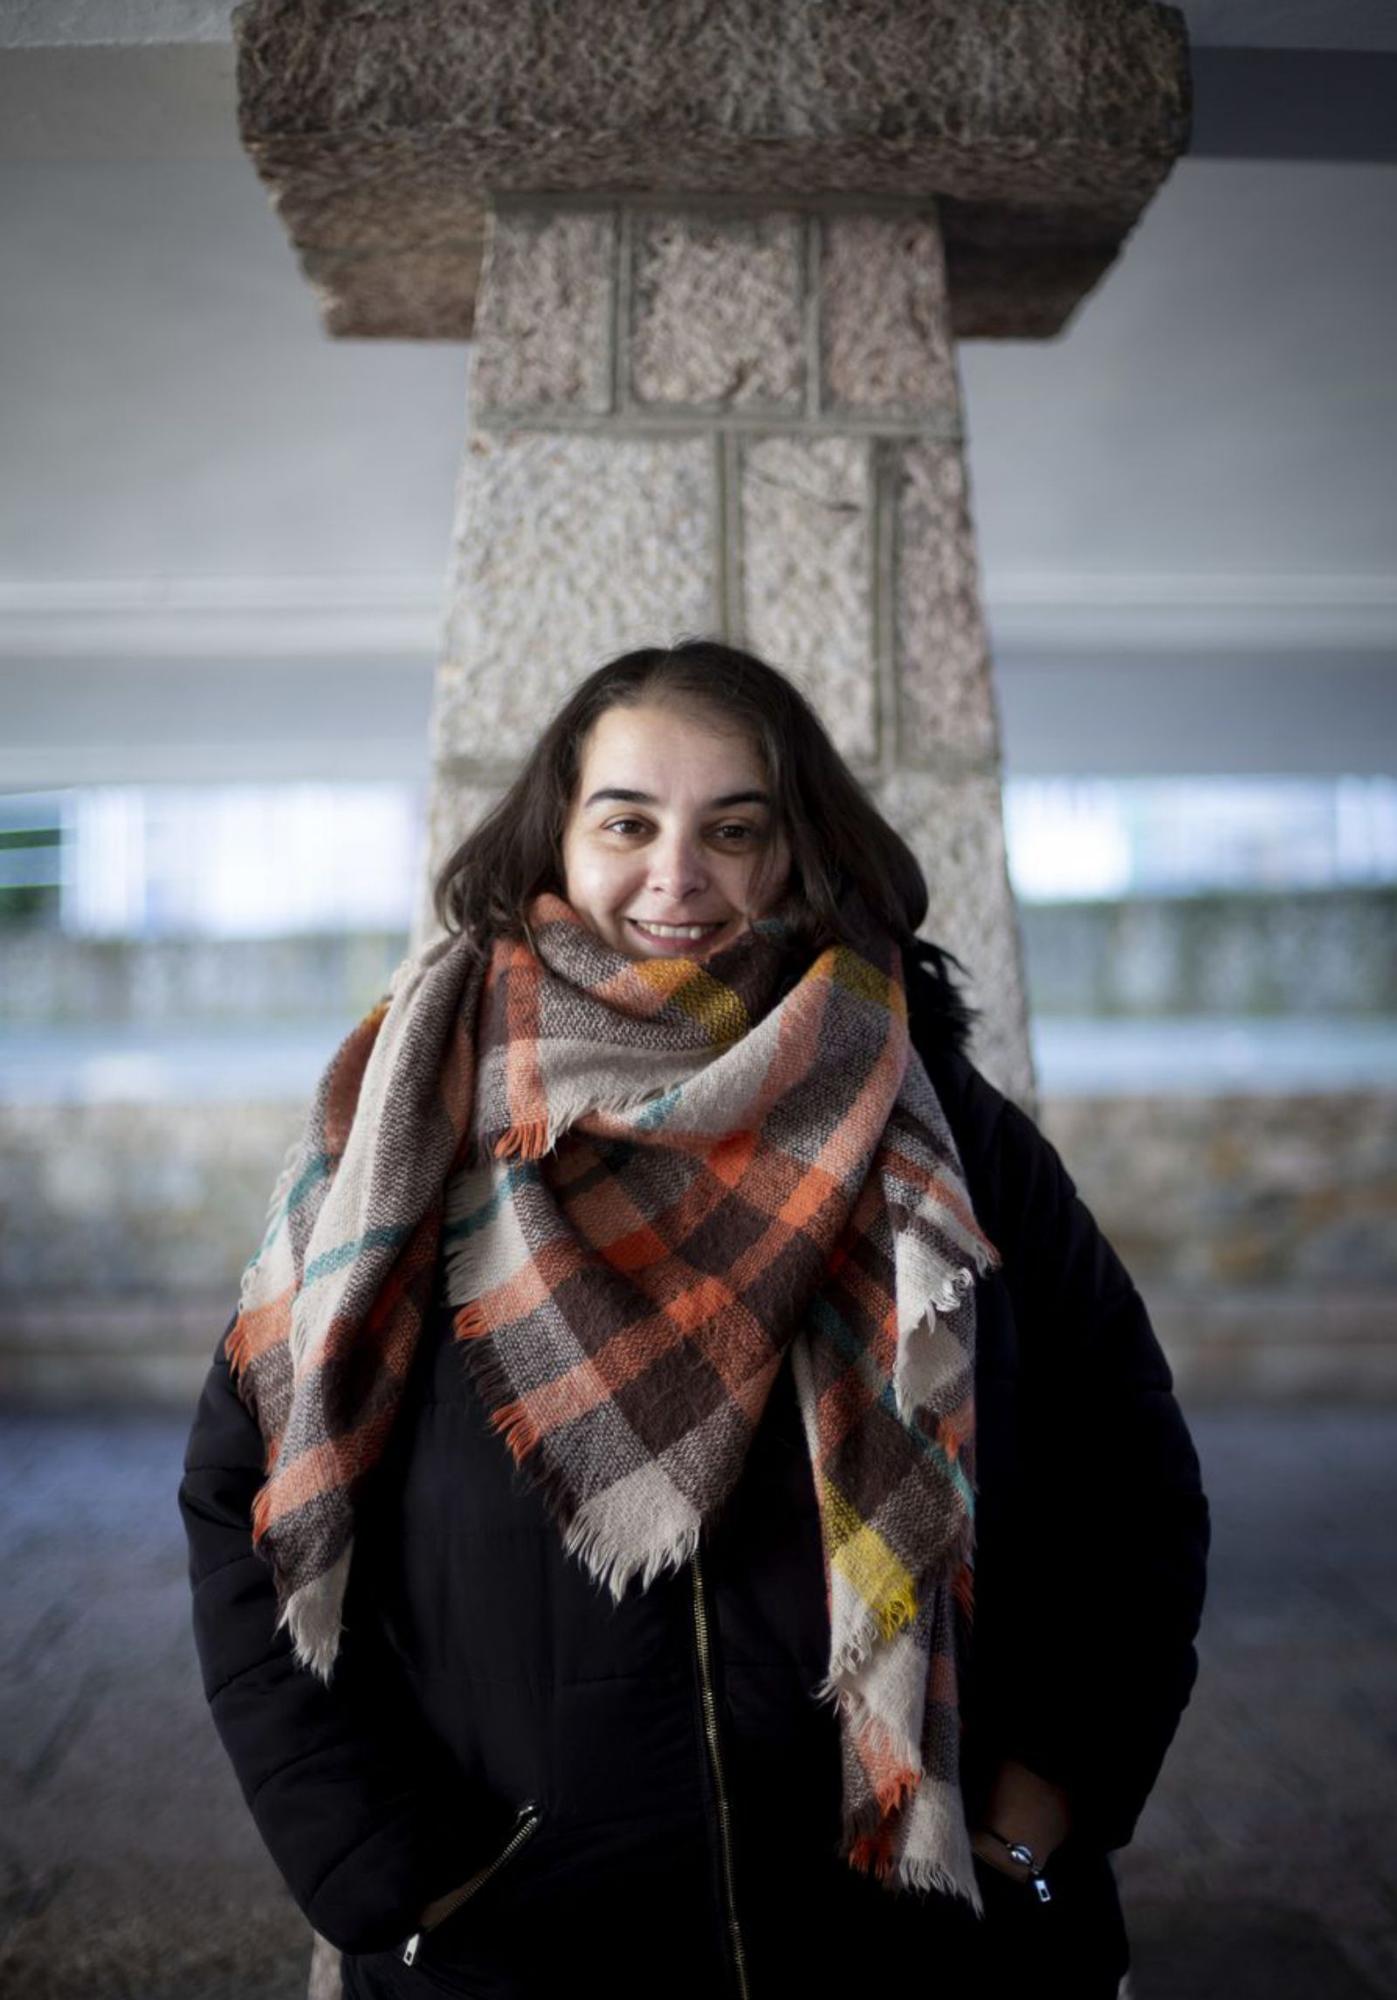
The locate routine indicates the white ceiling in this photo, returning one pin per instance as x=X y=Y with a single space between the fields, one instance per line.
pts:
x=197 y=486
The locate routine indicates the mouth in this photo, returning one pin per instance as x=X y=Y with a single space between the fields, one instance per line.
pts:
x=676 y=937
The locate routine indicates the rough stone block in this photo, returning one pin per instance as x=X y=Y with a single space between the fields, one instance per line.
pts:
x=384 y=194
x=885 y=317
x=716 y=311
x=395 y=295
x=112 y=1201
x=569 y=549
x=543 y=331
x=944 y=696
x=1044 y=129
x=955 y=827
x=393 y=253
x=807 y=575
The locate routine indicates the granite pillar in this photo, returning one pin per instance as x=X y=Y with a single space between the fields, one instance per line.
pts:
x=714 y=259
x=738 y=419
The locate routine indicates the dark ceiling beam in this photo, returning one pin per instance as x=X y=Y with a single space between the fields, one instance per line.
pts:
x=1294 y=104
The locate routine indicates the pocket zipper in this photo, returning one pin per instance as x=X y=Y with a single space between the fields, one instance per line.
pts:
x=526 y=1821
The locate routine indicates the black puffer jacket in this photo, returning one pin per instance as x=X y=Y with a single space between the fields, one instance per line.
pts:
x=645 y=1796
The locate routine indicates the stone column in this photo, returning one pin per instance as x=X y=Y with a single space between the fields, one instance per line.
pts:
x=735 y=418
x=713 y=258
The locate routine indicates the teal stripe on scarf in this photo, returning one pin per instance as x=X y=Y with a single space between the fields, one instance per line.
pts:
x=386 y=1238
x=655 y=1113
x=315 y=1170
x=829 y=1322
x=467 y=1225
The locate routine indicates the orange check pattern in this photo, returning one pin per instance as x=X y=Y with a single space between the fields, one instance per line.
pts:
x=640 y=1182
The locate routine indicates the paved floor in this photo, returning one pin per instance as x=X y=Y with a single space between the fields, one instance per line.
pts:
x=1265 y=1865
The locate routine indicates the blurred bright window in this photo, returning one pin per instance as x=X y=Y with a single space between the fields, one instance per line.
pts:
x=227 y=861
x=1074 y=839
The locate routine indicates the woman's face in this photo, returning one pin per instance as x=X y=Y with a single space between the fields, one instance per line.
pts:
x=672 y=825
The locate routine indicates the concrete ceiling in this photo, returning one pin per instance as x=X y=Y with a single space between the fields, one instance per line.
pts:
x=210 y=515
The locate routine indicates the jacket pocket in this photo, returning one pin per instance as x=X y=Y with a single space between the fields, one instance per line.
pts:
x=1077 y=1940
x=526 y=1822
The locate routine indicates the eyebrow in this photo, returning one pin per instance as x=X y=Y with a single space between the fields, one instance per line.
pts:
x=647 y=799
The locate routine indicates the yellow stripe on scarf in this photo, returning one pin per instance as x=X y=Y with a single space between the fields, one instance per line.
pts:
x=855 y=973
x=861 y=1555
x=705 y=999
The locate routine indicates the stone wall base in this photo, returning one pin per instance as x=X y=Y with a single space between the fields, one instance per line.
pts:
x=1252 y=1345
x=1258 y=1229
x=138 y=1353
x=1296 y=1346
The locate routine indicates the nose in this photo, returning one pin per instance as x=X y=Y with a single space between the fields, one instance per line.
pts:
x=677 y=866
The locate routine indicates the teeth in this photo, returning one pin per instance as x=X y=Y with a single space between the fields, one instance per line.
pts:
x=676 y=930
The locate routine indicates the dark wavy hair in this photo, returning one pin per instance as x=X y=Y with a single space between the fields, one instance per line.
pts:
x=838 y=839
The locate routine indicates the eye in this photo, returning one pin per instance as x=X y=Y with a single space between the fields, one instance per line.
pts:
x=742 y=831
x=620 y=825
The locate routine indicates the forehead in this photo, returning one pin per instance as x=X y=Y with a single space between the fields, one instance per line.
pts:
x=668 y=743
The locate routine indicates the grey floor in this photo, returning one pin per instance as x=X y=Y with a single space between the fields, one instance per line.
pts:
x=1266 y=1862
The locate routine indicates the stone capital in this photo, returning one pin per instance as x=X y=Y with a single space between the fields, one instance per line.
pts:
x=1041 y=127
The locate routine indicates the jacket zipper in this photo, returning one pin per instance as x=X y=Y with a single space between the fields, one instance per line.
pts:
x=527 y=1818
x=710 y=1719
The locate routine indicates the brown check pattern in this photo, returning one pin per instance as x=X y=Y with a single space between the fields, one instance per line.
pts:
x=641 y=1181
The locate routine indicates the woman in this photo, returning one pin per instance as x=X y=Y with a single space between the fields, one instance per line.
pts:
x=689 y=1501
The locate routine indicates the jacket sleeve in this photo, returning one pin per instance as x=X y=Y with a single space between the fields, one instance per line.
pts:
x=1089 y=1659
x=354 y=1801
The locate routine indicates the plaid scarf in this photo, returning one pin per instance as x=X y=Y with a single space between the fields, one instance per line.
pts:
x=646 y=1179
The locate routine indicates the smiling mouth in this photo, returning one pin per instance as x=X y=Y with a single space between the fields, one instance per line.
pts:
x=676 y=933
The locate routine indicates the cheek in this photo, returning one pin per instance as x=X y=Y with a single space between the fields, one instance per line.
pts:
x=596 y=880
